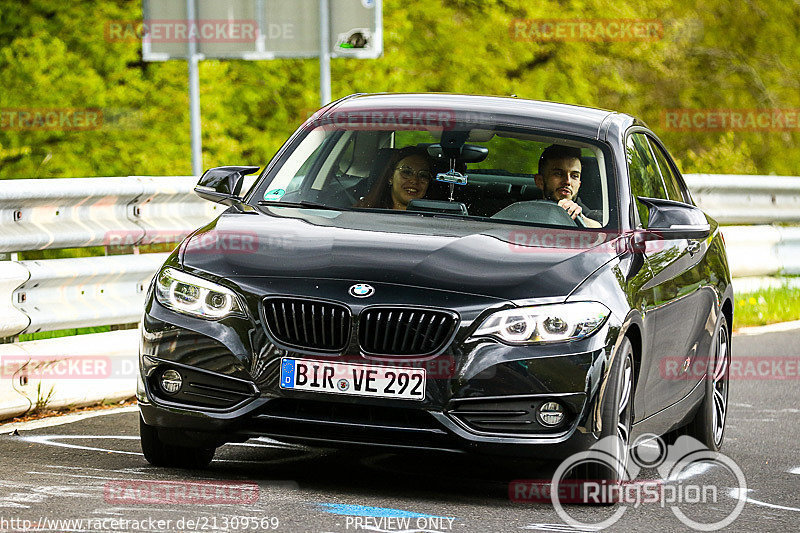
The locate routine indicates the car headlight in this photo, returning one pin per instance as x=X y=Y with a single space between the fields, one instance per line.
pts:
x=195 y=296
x=545 y=323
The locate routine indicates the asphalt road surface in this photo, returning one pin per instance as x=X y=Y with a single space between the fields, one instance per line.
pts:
x=89 y=475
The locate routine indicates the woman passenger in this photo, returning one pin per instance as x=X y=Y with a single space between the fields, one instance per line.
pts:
x=406 y=178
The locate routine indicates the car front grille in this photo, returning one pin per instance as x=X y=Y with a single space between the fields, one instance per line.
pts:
x=310 y=324
x=404 y=331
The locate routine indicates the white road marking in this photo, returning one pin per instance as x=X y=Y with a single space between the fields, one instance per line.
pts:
x=80 y=476
x=692 y=471
x=734 y=493
x=21 y=497
x=795 y=470
x=259 y=445
x=65 y=419
x=52 y=440
x=559 y=527
x=139 y=470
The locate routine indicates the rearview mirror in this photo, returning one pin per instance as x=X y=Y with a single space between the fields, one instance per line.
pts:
x=675 y=220
x=223 y=184
x=466 y=153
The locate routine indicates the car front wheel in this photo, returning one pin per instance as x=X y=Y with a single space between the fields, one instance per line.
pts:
x=617 y=417
x=607 y=461
x=159 y=453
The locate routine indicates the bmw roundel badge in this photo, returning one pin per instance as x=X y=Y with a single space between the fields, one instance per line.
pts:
x=361 y=290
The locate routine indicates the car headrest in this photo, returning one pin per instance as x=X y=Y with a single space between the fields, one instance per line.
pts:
x=590 y=192
x=379 y=163
x=531 y=192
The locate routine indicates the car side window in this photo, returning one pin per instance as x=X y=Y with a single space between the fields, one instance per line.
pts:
x=674 y=190
x=643 y=172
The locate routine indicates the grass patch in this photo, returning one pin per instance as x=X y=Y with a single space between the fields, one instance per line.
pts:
x=766 y=306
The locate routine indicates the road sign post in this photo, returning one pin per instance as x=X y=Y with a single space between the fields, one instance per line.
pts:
x=258 y=30
x=324 y=53
x=194 y=93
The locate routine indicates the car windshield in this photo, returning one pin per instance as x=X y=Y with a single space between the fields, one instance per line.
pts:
x=487 y=172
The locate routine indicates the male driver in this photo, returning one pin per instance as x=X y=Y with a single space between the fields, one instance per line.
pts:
x=559 y=178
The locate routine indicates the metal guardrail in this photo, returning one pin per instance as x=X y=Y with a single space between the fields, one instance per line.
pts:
x=742 y=199
x=78 y=212
x=762 y=250
x=96 y=291
x=66 y=213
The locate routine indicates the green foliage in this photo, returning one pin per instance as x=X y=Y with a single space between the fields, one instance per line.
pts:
x=727 y=54
x=727 y=156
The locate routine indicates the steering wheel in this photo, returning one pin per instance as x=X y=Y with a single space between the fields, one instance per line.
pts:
x=538 y=212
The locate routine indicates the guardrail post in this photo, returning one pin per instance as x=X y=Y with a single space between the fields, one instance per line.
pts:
x=12 y=320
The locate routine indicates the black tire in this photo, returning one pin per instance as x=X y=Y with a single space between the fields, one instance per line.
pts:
x=617 y=411
x=616 y=416
x=159 y=453
x=708 y=424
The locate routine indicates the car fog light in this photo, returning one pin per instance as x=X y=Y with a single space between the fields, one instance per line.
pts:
x=171 y=381
x=551 y=414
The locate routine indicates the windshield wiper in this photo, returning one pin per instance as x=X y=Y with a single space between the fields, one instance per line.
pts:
x=303 y=204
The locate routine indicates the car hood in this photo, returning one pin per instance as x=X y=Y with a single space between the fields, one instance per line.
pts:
x=509 y=262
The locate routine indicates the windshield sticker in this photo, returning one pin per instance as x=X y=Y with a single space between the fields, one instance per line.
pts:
x=274 y=194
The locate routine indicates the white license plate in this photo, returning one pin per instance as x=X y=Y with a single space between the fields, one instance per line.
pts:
x=402 y=383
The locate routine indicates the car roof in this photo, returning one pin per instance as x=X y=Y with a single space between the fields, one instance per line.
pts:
x=566 y=118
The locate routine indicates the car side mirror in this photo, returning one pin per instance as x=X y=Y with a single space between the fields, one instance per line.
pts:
x=223 y=184
x=675 y=220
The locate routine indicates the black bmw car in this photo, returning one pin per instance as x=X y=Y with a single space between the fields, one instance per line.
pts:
x=449 y=272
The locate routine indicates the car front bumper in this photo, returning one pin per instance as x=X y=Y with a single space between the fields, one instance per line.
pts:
x=481 y=395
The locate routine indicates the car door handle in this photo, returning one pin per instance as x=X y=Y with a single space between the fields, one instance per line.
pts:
x=693 y=247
